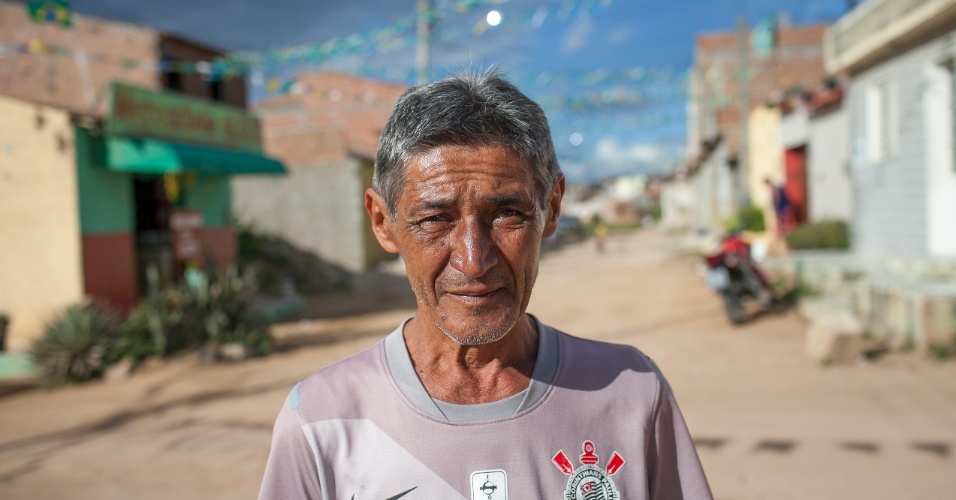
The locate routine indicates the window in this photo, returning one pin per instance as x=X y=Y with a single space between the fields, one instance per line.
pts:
x=215 y=90
x=881 y=121
x=172 y=80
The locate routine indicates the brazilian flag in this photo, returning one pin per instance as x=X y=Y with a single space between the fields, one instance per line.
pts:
x=50 y=11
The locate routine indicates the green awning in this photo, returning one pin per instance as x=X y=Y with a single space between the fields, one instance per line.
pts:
x=153 y=156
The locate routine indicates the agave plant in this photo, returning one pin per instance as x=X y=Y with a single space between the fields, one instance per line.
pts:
x=75 y=344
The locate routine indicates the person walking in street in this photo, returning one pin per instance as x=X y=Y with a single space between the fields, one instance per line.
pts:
x=472 y=397
x=782 y=207
x=600 y=234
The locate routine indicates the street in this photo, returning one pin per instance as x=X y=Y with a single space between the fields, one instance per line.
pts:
x=769 y=423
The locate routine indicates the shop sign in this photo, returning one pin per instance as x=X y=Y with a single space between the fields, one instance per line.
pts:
x=139 y=112
x=185 y=226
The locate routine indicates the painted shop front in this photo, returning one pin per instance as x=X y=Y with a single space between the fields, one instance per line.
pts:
x=154 y=190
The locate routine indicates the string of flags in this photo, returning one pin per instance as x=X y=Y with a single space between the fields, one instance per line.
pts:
x=610 y=90
x=382 y=39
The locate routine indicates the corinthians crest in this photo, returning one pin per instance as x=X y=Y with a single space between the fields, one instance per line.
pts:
x=589 y=482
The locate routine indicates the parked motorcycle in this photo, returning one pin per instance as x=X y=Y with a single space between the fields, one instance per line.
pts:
x=734 y=275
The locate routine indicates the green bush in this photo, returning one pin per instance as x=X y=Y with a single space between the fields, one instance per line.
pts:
x=214 y=307
x=748 y=218
x=75 y=345
x=829 y=234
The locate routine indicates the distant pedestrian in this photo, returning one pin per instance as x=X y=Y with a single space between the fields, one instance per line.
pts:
x=600 y=234
x=783 y=208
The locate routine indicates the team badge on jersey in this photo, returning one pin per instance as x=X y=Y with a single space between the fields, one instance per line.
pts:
x=589 y=481
x=489 y=485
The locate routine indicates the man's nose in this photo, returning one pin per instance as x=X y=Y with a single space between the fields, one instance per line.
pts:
x=473 y=248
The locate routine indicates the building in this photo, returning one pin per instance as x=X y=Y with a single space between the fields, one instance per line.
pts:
x=766 y=159
x=829 y=183
x=698 y=195
x=326 y=131
x=117 y=153
x=733 y=74
x=898 y=58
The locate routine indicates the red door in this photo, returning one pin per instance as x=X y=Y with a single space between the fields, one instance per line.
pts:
x=795 y=162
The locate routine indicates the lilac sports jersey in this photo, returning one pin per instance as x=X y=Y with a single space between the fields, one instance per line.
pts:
x=598 y=422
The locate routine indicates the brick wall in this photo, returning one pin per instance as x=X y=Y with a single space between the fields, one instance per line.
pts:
x=64 y=81
x=796 y=61
x=101 y=51
x=355 y=107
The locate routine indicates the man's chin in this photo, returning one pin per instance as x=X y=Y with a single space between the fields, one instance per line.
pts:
x=478 y=330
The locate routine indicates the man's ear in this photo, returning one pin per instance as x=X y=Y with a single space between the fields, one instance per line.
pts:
x=381 y=222
x=554 y=208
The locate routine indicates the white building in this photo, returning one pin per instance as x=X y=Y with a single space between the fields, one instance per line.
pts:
x=899 y=58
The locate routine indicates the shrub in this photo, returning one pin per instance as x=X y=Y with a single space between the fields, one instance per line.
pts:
x=215 y=308
x=748 y=218
x=829 y=234
x=75 y=344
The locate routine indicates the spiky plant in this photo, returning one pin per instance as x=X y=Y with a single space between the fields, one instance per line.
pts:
x=75 y=344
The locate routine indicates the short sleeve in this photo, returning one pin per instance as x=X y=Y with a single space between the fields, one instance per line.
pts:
x=674 y=469
x=291 y=472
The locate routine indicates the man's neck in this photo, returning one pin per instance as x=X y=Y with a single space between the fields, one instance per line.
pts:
x=462 y=374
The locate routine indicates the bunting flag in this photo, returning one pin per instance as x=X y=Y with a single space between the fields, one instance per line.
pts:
x=764 y=36
x=398 y=34
x=50 y=11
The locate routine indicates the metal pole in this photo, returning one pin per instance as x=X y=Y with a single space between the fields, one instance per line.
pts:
x=743 y=153
x=424 y=41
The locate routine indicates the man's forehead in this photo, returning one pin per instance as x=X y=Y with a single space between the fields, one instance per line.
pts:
x=455 y=167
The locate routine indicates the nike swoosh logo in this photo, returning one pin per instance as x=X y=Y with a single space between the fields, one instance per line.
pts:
x=396 y=497
x=400 y=495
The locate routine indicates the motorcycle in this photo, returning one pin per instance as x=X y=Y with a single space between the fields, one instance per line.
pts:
x=734 y=275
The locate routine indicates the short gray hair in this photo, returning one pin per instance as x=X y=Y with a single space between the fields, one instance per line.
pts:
x=469 y=109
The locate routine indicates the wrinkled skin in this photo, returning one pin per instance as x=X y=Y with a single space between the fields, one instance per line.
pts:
x=469 y=226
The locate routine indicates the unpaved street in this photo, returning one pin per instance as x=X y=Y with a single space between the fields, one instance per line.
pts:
x=768 y=422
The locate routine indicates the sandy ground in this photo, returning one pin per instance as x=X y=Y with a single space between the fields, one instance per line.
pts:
x=768 y=422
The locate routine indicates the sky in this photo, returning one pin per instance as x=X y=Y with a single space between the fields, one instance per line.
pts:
x=610 y=74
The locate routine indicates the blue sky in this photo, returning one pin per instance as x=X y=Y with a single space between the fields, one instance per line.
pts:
x=609 y=73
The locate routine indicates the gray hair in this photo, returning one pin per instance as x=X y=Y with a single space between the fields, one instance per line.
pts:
x=470 y=109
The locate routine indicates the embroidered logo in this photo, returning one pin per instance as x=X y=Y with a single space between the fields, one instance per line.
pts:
x=489 y=485
x=589 y=482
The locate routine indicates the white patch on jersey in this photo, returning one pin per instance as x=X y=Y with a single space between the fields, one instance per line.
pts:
x=489 y=485
x=357 y=459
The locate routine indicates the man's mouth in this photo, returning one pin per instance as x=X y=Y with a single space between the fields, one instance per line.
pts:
x=474 y=295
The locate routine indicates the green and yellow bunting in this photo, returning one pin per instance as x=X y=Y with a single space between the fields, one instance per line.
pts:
x=50 y=11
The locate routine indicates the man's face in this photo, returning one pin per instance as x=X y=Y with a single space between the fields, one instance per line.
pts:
x=469 y=227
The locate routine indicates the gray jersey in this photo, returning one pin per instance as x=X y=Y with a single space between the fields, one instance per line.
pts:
x=598 y=422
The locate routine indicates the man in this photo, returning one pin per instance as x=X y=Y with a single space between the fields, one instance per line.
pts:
x=782 y=207
x=473 y=398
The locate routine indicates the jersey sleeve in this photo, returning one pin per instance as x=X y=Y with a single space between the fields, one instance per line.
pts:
x=291 y=472
x=674 y=469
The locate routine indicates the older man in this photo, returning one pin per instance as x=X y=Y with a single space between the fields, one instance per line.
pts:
x=472 y=397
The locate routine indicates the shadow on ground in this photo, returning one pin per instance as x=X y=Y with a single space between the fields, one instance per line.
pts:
x=371 y=292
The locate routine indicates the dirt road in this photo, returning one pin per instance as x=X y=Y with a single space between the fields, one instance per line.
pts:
x=768 y=422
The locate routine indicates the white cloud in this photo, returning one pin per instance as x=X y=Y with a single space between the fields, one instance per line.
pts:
x=609 y=150
x=645 y=156
x=577 y=35
x=620 y=36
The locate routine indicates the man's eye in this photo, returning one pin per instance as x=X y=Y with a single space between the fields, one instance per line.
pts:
x=433 y=221
x=509 y=213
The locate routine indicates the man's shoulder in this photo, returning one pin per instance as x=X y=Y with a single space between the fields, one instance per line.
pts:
x=589 y=354
x=336 y=388
x=349 y=370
